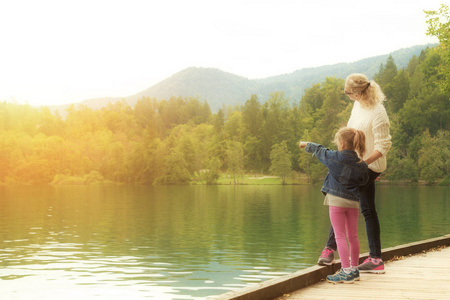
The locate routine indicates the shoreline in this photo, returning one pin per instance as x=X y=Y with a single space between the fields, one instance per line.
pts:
x=110 y=183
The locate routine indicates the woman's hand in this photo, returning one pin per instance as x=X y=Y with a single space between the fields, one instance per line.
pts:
x=302 y=145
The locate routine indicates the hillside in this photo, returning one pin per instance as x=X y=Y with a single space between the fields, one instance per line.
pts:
x=213 y=85
x=220 y=88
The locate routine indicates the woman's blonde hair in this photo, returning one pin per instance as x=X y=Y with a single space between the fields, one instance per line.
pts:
x=370 y=91
x=353 y=139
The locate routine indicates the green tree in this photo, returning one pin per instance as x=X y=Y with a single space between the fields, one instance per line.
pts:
x=233 y=126
x=314 y=170
x=154 y=161
x=430 y=159
x=235 y=159
x=119 y=118
x=50 y=124
x=275 y=127
x=280 y=159
x=328 y=118
x=400 y=92
x=212 y=172
x=412 y=65
x=81 y=120
x=251 y=117
x=438 y=26
x=147 y=117
x=401 y=167
x=295 y=121
x=218 y=120
x=443 y=141
x=251 y=133
x=386 y=73
x=416 y=82
x=175 y=171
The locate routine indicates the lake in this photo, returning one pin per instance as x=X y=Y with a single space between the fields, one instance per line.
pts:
x=181 y=242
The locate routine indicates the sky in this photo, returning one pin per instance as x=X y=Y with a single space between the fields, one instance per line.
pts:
x=64 y=51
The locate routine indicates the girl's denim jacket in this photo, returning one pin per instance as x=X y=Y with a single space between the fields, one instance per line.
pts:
x=346 y=172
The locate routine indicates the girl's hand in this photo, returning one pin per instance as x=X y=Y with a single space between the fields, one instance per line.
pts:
x=302 y=144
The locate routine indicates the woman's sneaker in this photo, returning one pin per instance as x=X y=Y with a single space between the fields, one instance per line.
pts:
x=371 y=265
x=327 y=257
x=341 y=276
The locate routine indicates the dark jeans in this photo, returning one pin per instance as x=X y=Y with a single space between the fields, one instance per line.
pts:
x=367 y=205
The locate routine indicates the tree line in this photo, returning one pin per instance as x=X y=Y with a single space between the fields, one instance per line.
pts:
x=179 y=141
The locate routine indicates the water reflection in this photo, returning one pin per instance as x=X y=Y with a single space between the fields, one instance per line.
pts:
x=180 y=242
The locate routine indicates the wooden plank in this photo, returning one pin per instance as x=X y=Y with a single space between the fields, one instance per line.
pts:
x=423 y=276
x=293 y=283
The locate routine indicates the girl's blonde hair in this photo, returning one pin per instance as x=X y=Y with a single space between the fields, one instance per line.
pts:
x=353 y=139
x=370 y=91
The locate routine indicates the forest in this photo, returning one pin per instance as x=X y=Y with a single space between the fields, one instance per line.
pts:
x=180 y=141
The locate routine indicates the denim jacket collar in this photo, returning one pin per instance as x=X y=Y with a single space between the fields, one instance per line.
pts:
x=349 y=152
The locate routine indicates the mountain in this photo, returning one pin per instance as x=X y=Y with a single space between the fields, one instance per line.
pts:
x=215 y=86
x=220 y=88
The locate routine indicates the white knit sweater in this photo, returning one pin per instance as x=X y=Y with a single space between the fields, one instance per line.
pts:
x=374 y=122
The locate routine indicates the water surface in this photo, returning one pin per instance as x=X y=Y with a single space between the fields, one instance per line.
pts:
x=181 y=242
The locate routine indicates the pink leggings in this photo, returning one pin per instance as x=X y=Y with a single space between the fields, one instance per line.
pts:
x=345 y=224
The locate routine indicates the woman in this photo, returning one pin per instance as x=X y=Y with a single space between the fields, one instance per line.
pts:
x=369 y=116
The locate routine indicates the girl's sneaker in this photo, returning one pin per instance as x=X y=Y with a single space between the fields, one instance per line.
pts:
x=341 y=276
x=355 y=275
x=370 y=265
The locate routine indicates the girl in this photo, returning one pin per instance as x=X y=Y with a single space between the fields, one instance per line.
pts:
x=347 y=172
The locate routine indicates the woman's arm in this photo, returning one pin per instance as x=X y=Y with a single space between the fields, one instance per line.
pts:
x=373 y=157
x=381 y=134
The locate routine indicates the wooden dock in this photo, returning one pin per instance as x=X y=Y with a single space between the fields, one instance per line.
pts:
x=421 y=276
x=418 y=270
